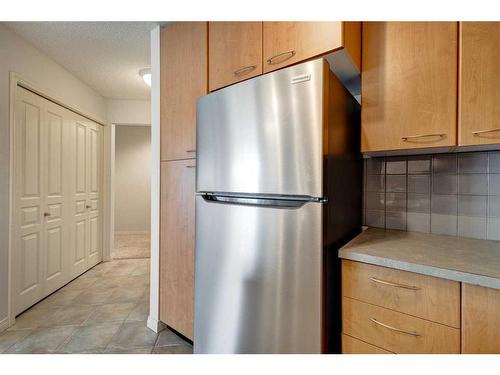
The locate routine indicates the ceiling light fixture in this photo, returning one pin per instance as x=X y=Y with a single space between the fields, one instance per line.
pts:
x=146 y=75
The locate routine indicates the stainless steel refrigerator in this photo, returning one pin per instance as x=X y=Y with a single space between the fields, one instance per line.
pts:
x=278 y=186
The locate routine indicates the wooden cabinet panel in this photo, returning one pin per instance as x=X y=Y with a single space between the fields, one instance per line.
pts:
x=350 y=345
x=480 y=320
x=287 y=43
x=177 y=245
x=235 y=52
x=397 y=332
x=418 y=295
x=183 y=79
x=409 y=85
x=479 y=89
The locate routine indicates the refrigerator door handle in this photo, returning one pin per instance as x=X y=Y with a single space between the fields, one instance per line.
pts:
x=262 y=202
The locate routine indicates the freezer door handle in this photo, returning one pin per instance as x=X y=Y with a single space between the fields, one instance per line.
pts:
x=262 y=202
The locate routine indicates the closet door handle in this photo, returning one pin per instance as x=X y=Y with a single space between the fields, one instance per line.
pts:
x=478 y=133
x=409 y=138
x=87 y=206
x=191 y=151
x=46 y=214
x=276 y=58
x=190 y=166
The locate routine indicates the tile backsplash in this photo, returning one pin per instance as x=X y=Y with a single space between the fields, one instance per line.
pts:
x=454 y=194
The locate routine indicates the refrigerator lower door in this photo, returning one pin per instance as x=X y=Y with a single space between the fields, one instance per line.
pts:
x=258 y=278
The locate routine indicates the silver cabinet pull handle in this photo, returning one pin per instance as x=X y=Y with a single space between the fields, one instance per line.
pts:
x=190 y=166
x=87 y=206
x=416 y=334
x=479 y=132
x=411 y=287
x=46 y=214
x=190 y=150
x=288 y=54
x=245 y=69
x=410 y=137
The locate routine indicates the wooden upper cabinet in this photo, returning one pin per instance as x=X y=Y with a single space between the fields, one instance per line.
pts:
x=409 y=85
x=480 y=320
x=177 y=245
x=286 y=43
x=235 y=52
x=479 y=87
x=183 y=79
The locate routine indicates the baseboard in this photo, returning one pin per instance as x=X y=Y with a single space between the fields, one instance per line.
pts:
x=4 y=324
x=132 y=232
x=155 y=325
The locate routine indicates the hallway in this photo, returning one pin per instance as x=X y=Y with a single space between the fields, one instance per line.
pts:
x=102 y=311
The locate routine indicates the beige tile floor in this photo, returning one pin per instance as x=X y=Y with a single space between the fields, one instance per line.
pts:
x=131 y=245
x=103 y=311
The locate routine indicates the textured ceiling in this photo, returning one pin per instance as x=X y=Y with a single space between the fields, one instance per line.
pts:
x=105 y=55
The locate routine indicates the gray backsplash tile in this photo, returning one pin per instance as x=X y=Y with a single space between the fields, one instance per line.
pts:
x=452 y=194
x=494 y=186
x=420 y=184
x=419 y=164
x=494 y=162
x=474 y=184
x=494 y=206
x=375 y=166
x=375 y=182
x=444 y=204
x=472 y=205
x=395 y=202
x=396 y=183
x=444 y=163
x=419 y=203
x=475 y=162
x=445 y=184
x=396 y=165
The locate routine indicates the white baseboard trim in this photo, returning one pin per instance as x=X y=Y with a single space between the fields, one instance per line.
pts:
x=132 y=232
x=155 y=325
x=4 y=324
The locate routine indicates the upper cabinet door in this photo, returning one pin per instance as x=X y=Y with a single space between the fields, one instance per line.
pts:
x=235 y=52
x=286 y=43
x=480 y=91
x=409 y=85
x=183 y=78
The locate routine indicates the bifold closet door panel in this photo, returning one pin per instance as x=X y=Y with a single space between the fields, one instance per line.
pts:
x=28 y=192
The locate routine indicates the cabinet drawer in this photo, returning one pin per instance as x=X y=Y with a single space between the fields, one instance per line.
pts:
x=350 y=345
x=397 y=332
x=418 y=295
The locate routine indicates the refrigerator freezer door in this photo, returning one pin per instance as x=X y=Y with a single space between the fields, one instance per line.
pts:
x=258 y=282
x=264 y=135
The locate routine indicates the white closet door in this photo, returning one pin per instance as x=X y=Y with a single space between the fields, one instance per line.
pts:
x=57 y=225
x=79 y=234
x=94 y=158
x=56 y=197
x=27 y=240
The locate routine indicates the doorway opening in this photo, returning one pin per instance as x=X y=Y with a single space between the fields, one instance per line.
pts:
x=132 y=182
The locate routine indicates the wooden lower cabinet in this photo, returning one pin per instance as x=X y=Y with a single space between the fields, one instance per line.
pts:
x=177 y=245
x=480 y=320
x=350 y=345
x=397 y=332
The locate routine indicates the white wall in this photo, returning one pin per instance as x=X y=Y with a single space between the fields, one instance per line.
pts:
x=129 y=112
x=20 y=57
x=132 y=178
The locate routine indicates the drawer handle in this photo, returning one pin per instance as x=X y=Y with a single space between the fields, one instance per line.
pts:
x=190 y=151
x=190 y=166
x=415 y=334
x=478 y=133
x=244 y=70
x=288 y=54
x=410 y=137
x=411 y=287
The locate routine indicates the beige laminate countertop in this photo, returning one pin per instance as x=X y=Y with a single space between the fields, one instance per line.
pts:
x=455 y=258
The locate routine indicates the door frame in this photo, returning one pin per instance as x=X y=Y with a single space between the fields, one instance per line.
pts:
x=107 y=240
